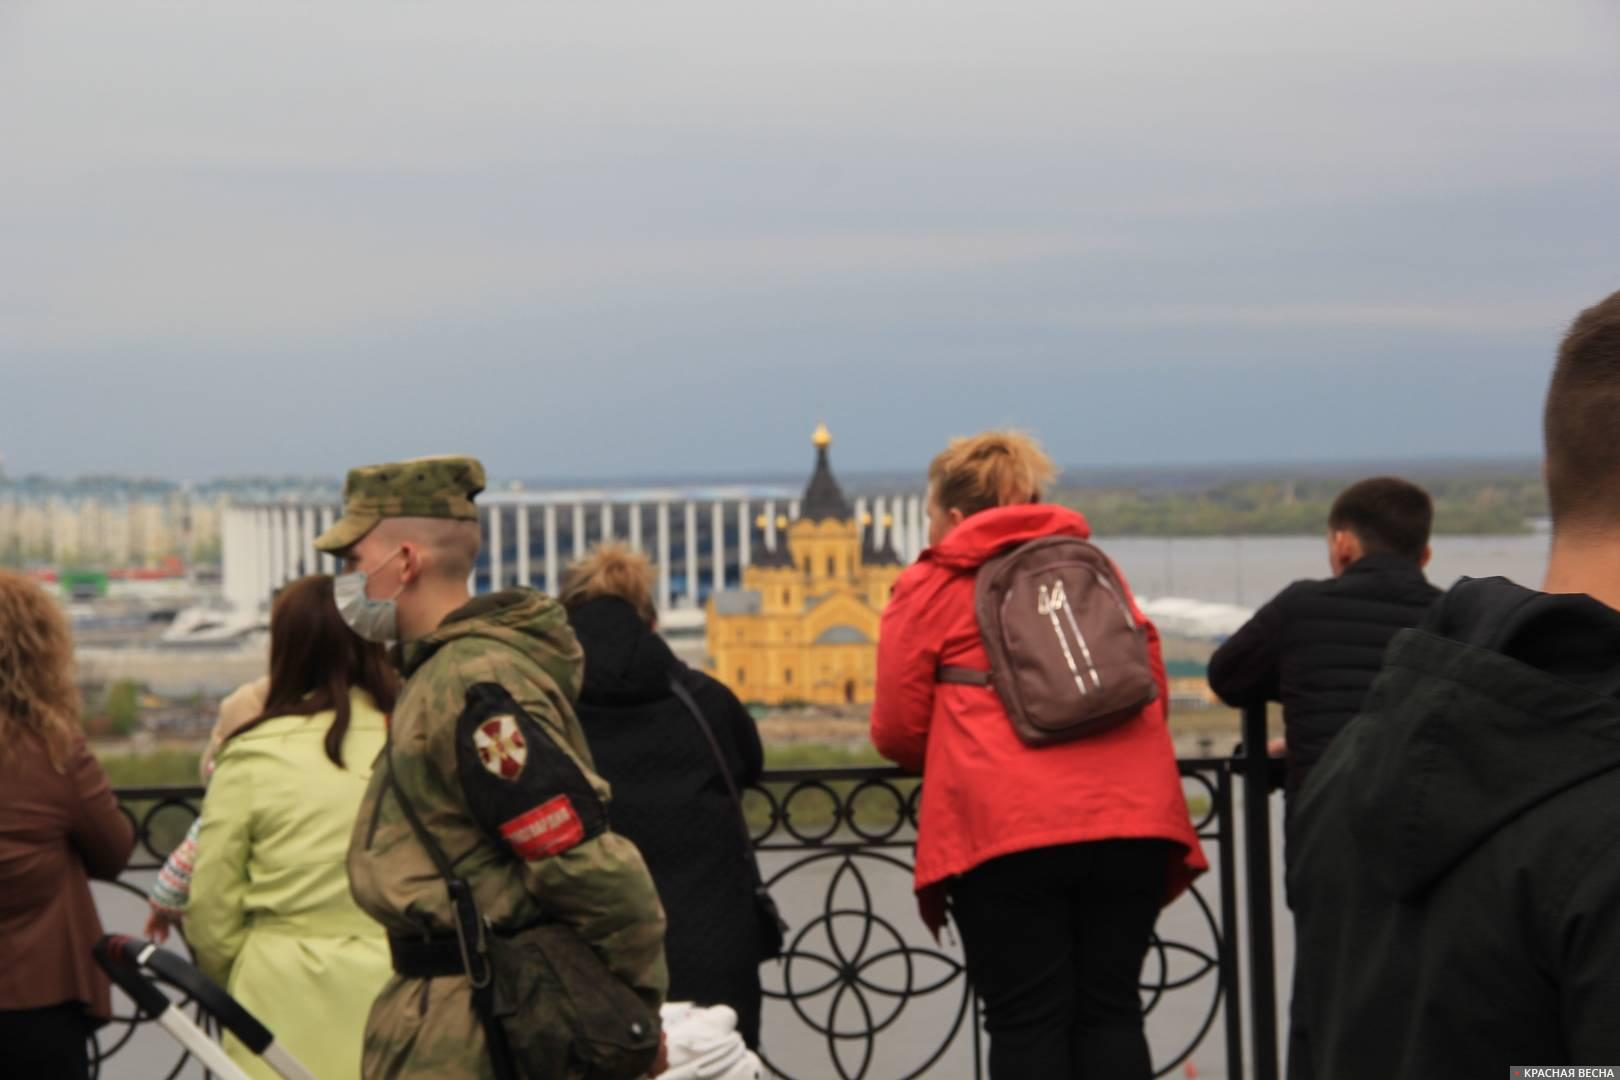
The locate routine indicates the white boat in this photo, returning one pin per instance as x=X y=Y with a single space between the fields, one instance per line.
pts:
x=206 y=625
x=1205 y=620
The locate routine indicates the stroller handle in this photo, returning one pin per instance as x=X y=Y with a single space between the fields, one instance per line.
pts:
x=111 y=952
x=122 y=957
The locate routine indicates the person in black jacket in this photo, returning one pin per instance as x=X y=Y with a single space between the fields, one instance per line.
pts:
x=1317 y=645
x=1457 y=877
x=669 y=797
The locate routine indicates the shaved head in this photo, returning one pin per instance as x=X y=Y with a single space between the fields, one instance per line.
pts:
x=450 y=547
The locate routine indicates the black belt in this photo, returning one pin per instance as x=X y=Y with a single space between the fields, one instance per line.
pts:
x=426 y=958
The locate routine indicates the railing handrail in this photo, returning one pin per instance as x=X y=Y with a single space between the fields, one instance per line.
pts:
x=160 y=791
x=784 y=775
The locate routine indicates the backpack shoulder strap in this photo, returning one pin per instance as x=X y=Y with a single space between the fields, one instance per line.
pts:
x=684 y=696
x=440 y=860
x=963 y=676
x=470 y=928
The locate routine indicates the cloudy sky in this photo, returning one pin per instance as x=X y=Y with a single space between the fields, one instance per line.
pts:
x=620 y=238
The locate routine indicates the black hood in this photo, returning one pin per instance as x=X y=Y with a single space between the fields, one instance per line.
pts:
x=1503 y=698
x=626 y=663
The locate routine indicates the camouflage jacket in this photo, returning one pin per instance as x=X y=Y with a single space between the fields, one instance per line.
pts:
x=522 y=820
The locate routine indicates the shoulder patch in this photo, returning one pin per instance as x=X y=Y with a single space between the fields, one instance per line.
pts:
x=526 y=792
x=501 y=747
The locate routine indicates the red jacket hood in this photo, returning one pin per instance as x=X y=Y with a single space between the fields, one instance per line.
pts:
x=981 y=535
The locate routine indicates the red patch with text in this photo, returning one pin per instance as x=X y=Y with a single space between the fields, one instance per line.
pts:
x=549 y=829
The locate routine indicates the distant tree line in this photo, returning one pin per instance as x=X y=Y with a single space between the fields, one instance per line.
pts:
x=1488 y=504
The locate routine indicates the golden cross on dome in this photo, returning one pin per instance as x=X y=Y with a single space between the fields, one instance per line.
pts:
x=822 y=438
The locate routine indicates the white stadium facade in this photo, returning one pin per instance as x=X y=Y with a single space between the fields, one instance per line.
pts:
x=699 y=538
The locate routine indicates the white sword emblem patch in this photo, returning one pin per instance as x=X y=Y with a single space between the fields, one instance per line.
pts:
x=501 y=747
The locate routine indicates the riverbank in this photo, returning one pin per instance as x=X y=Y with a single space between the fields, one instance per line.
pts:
x=802 y=738
x=1478 y=499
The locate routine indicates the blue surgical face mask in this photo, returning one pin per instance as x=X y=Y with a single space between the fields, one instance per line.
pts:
x=374 y=620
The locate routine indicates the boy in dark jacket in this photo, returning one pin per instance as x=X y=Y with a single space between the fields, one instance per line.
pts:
x=1317 y=645
x=1456 y=869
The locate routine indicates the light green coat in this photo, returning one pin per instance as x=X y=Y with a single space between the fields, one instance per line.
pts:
x=270 y=915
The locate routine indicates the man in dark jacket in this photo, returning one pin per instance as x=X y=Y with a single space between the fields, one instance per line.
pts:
x=1318 y=644
x=1456 y=876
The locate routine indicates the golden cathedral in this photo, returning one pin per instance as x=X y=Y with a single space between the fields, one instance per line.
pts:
x=803 y=627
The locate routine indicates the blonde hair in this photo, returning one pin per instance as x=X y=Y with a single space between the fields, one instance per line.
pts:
x=37 y=691
x=612 y=570
x=992 y=468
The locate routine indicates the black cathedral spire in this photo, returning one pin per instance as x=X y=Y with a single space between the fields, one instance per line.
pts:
x=823 y=498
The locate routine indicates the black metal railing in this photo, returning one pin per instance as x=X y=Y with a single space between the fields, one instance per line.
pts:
x=161 y=816
x=1256 y=769
x=862 y=992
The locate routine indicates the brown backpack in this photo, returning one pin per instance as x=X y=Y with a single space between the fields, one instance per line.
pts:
x=1067 y=655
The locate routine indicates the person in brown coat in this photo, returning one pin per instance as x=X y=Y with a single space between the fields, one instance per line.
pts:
x=59 y=827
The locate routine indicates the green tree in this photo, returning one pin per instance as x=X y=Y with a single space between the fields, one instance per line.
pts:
x=124 y=705
x=208 y=552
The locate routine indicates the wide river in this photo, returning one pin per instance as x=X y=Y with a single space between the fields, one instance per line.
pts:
x=1248 y=570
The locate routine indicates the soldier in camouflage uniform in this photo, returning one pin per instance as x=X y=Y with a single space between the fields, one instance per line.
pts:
x=485 y=745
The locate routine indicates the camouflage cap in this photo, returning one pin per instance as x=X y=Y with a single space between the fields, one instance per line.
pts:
x=436 y=487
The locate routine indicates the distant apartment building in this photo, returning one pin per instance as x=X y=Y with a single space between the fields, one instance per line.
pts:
x=67 y=530
x=25 y=530
x=112 y=522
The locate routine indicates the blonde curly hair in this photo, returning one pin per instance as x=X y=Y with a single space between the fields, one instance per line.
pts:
x=37 y=691
x=612 y=570
x=992 y=468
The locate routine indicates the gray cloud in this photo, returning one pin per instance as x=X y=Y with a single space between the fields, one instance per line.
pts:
x=605 y=239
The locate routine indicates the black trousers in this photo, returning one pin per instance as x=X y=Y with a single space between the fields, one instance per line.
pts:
x=1055 y=939
x=46 y=1044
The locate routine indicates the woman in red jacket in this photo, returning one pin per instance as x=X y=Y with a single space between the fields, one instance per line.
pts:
x=1056 y=860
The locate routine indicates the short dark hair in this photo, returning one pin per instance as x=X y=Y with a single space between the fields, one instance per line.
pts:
x=1390 y=516
x=1582 y=419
